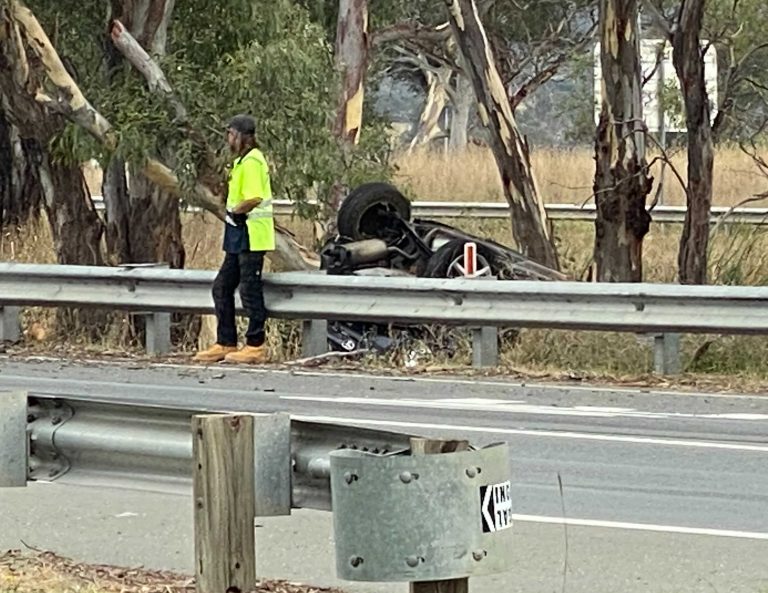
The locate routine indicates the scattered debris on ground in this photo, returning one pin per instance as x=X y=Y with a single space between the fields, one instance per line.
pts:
x=38 y=571
x=694 y=382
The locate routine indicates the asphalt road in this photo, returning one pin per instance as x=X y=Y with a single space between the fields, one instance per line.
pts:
x=661 y=491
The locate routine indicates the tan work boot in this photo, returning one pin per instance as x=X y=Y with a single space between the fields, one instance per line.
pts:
x=249 y=355
x=215 y=353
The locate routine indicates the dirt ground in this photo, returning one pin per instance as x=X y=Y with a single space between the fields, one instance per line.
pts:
x=35 y=571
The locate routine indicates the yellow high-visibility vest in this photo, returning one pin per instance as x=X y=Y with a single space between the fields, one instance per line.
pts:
x=249 y=179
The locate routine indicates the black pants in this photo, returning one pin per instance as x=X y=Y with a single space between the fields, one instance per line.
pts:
x=243 y=269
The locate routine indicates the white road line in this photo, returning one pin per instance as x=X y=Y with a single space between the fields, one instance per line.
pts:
x=519 y=407
x=642 y=527
x=539 y=433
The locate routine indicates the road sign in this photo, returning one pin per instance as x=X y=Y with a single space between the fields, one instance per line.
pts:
x=496 y=507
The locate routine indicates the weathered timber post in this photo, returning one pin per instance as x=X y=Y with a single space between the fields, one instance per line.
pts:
x=224 y=498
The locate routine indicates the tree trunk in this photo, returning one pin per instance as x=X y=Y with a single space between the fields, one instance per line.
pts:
x=434 y=105
x=75 y=224
x=34 y=112
x=143 y=221
x=463 y=102
x=687 y=56
x=114 y=189
x=529 y=220
x=621 y=176
x=154 y=227
x=21 y=197
x=352 y=63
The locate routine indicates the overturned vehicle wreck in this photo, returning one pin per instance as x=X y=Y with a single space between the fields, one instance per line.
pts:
x=376 y=235
x=376 y=232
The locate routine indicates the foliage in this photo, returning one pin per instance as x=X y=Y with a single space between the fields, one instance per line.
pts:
x=267 y=58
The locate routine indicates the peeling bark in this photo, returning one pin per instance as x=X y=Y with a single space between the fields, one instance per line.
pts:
x=529 y=220
x=37 y=93
x=352 y=63
x=437 y=97
x=463 y=101
x=687 y=56
x=621 y=176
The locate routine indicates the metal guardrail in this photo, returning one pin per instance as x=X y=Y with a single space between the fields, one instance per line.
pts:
x=381 y=486
x=663 y=311
x=146 y=447
x=642 y=308
x=500 y=210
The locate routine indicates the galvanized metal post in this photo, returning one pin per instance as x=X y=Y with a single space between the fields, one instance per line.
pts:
x=158 y=333
x=666 y=354
x=422 y=446
x=314 y=339
x=157 y=325
x=272 y=464
x=224 y=499
x=10 y=324
x=485 y=347
x=13 y=439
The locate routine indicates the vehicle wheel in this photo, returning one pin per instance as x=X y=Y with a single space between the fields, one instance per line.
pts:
x=448 y=261
x=367 y=212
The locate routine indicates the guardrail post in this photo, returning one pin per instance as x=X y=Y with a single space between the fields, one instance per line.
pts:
x=158 y=333
x=422 y=446
x=224 y=499
x=13 y=440
x=666 y=354
x=10 y=324
x=314 y=339
x=485 y=347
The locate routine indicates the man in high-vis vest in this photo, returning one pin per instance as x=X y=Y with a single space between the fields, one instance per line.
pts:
x=249 y=233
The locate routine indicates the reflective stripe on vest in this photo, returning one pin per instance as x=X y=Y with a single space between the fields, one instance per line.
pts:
x=263 y=210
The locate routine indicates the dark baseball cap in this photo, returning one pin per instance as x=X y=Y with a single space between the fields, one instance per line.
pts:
x=244 y=124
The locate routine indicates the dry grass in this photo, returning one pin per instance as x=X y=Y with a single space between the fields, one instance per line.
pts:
x=33 y=244
x=564 y=176
x=46 y=572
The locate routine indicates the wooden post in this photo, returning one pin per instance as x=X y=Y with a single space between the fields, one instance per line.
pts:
x=420 y=446
x=224 y=495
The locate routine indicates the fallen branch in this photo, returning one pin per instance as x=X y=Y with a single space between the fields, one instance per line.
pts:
x=321 y=358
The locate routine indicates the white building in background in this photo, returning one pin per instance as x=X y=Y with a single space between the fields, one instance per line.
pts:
x=659 y=75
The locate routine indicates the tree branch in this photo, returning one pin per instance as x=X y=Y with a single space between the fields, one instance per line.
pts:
x=65 y=97
x=659 y=19
x=410 y=31
x=141 y=60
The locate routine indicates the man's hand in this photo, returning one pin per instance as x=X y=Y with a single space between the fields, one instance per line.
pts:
x=246 y=206
x=235 y=219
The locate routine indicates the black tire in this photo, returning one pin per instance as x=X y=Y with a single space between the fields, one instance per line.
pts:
x=441 y=264
x=368 y=209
